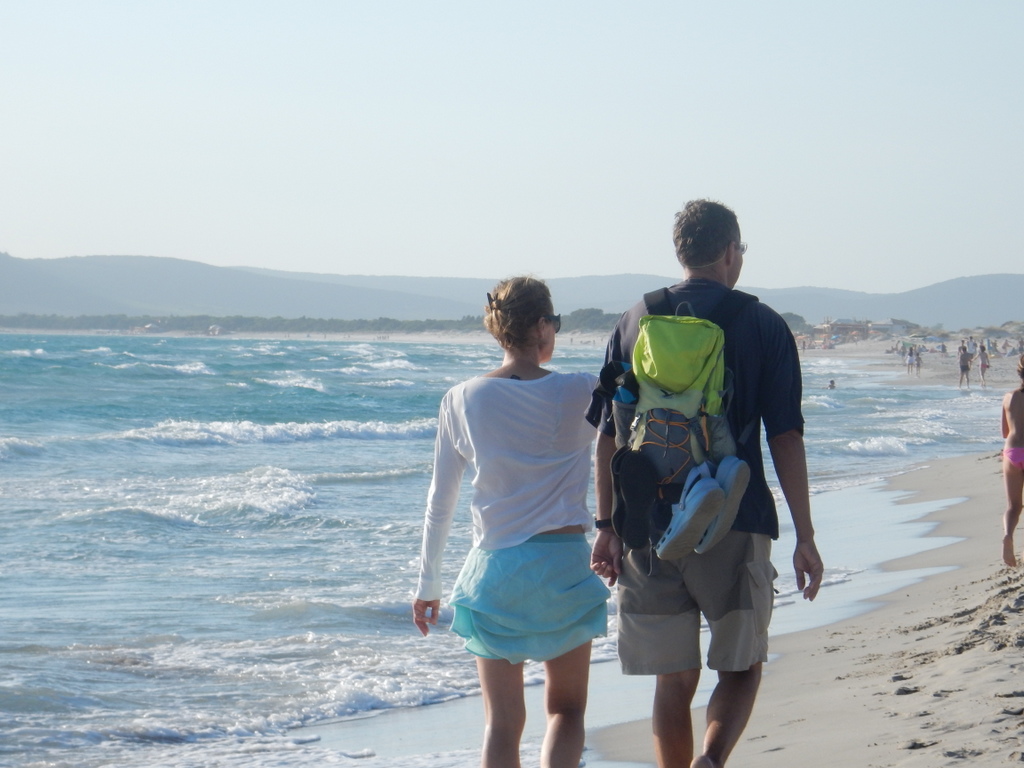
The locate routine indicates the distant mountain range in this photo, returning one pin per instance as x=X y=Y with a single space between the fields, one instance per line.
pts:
x=156 y=286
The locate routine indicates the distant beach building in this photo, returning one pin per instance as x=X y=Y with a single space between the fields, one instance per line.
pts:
x=842 y=330
x=891 y=326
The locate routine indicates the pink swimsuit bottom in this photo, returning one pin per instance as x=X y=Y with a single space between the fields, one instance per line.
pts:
x=1015 y=456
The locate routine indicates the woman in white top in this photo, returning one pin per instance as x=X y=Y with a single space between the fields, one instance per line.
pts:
x=526 y=590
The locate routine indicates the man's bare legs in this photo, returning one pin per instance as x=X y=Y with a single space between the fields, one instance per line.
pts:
x=565 y=699
x=1013 y=480
x=672 y=724
x=728 y=711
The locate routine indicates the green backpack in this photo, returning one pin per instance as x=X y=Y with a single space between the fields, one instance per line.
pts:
x=669 y=409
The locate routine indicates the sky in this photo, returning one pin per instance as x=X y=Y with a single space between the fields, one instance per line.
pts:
x=873 y=146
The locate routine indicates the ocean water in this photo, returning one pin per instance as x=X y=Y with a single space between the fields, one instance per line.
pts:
x=209 y=543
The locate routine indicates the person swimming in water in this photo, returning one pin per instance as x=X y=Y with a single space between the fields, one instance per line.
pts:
x=1013 y=463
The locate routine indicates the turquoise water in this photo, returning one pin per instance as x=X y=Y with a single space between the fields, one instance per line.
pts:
x=209 y=542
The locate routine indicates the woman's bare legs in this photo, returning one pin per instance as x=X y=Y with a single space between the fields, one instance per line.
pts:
x=1013 y=479
x=504 y=712
x=565 y=699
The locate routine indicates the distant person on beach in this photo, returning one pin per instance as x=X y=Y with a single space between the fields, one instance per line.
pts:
x=917 y=363
x=909 y=360
x=526 y=590
x=1013 y=463
x=982 y=363
x=831 y=384
x=965 y=358
x=660 y=602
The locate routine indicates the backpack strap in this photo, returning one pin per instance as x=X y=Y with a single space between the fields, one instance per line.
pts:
x=659 y=303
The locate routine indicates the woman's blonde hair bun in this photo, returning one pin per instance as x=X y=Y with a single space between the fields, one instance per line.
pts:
x=513 y=308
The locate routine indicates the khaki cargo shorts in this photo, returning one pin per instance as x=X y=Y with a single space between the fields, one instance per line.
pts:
x=660 y=603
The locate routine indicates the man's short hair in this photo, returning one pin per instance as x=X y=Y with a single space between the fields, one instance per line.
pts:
x=703 y=230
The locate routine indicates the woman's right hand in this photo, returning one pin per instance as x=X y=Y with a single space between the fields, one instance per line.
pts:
x=424 y=613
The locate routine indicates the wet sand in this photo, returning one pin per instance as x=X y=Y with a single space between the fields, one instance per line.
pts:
x=932 y=676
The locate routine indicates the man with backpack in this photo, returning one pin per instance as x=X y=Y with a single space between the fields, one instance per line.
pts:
x=661 y=600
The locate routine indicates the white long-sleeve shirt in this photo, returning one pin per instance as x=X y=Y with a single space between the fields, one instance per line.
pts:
x=528 y=447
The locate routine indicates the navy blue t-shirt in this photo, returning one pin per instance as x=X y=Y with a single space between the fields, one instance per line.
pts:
x=761 y=353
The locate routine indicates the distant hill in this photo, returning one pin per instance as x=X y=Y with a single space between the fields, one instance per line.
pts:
x=981 y=301
x=146 y=285
x=966 y=302
x=141 y=285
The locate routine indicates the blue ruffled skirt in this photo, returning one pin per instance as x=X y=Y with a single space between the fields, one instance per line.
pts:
x=536 y=601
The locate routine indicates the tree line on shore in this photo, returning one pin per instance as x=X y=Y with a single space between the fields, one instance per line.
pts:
x=581 y=320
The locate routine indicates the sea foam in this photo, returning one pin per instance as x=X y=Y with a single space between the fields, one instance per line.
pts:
x=175 y=432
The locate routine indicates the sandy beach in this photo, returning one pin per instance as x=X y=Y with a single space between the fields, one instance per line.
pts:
x=934 y=674
x=936 y=368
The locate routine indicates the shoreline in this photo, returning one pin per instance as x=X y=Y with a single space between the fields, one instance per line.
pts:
x=819 y=669
x=849 y=658
x=936 y=369
x=930 y=674
x=873 y=355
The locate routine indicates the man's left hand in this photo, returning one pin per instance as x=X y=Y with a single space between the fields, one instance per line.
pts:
x=809 y=568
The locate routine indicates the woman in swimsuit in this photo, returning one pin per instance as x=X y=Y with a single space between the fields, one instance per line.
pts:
x=1013 y=463
x=526 y=590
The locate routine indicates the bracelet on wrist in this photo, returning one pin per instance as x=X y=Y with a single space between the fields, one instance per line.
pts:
x=602 y=525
